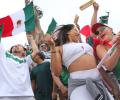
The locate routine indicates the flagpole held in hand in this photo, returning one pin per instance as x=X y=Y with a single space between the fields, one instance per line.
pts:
x=109 y=81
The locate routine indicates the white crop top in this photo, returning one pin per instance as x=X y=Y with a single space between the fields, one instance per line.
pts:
x=72 y=51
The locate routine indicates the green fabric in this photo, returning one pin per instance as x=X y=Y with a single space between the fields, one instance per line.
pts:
x=28 y=52
x=1 y=27
x=51 y=26
x=11 y=56
x=28 y=11
x=29 y=17
x=117 y=70
x=44 y=82
x=90 y=40
x=64 y=76
x=30 y=25
x=104 y=19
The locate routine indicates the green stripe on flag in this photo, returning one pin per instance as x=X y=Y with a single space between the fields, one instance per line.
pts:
x=29 y=17
x=51 y=26
x=30 y=24
x=1 y=27
x=29 y=11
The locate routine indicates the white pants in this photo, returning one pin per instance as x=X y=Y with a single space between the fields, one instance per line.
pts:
x=81 y=93
x=17 y=98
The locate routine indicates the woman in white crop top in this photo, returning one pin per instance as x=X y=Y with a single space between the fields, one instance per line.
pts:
x=77 y=57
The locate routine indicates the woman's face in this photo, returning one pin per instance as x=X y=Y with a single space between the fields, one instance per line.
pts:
x=106 y=34
x=74 y=35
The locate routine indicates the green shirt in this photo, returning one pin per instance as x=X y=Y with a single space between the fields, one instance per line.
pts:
x=43 y=78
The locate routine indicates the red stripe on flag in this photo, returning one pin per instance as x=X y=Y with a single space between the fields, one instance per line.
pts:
x=7 y=26
x=86 y=31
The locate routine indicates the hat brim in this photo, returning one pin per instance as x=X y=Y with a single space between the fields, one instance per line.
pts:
x=96 y=26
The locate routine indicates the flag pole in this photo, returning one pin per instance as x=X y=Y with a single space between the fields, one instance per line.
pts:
x=105 y=57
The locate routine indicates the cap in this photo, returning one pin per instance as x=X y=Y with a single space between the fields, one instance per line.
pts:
x=96 y=26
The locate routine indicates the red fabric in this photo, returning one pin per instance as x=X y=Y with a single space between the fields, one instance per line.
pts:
x=86 y=30
x=96 y=26
x=97 y=42
x=7 y=26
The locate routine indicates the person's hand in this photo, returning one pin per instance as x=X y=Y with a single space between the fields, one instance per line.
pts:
x=54 y=95
x=64 y=90
x=50 y=41
x=76 y=19
x=30 y=38
x=95 y=6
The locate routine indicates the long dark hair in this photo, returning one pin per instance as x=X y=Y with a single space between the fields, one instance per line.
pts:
x=62 y=35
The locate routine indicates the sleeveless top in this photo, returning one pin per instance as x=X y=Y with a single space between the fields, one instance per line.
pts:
x=72 y=51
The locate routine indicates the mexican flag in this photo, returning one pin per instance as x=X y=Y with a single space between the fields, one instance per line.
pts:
x=1 y=26
x=21 y=21
x=51 y=26
x=104 y=19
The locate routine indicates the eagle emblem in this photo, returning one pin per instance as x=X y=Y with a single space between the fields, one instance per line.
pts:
x=19 y=22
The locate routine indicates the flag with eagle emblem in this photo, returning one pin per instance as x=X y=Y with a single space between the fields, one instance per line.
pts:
x=21 y=21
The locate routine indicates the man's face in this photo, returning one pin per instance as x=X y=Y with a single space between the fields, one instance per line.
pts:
x=36 y=58
x=17 y=49
x=43 y=47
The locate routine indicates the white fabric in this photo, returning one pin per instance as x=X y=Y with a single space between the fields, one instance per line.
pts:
x=14 y=75
x=81 y=93
x=92 y=73
x=17 y=98
x=72 y=51
x=18 y=16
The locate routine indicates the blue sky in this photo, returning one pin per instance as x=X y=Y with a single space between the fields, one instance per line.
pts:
x=64 y=11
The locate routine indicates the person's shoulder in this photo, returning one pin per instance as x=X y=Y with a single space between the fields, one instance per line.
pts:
x=100 y=46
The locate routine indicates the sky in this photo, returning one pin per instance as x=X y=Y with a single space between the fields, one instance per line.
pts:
x=64 y=11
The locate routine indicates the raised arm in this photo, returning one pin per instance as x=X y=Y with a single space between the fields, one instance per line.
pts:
x=113 y=59
x=33 y=45
x=95 y=13
x=56 y=63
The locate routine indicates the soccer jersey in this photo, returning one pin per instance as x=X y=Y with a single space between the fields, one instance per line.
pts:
x=14 y=75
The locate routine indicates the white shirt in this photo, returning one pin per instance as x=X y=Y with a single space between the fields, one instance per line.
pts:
x=14 y=75
x=72 y=51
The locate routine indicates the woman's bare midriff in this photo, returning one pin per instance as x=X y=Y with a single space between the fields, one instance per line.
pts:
x=84 y=62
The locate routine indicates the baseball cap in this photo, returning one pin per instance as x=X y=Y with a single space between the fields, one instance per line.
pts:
x=96 y=26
